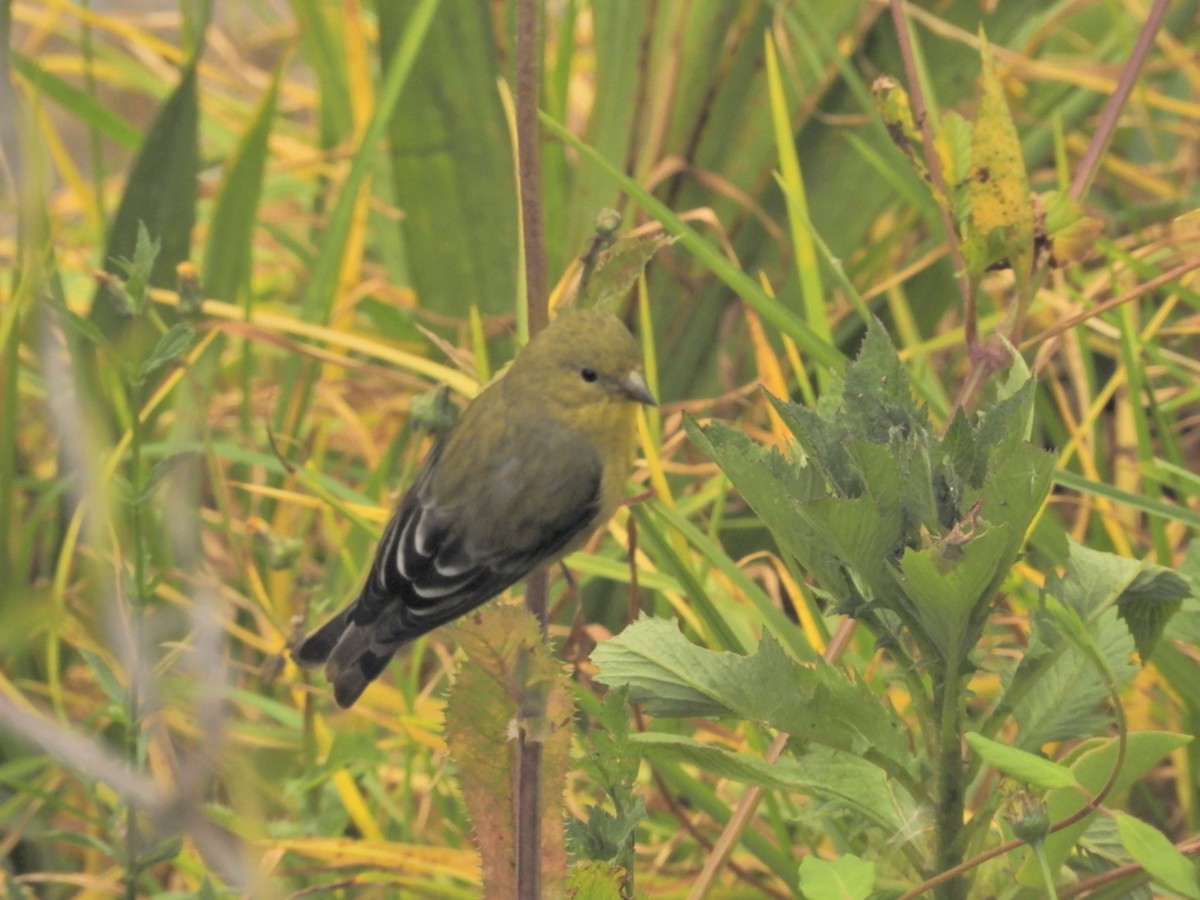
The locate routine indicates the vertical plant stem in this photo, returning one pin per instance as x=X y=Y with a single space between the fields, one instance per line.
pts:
x=920 y=113
x=527 y=791
x=529 y=167
x=949 y=773
x=1090 y=164
x=95 y=158
x=134 y=608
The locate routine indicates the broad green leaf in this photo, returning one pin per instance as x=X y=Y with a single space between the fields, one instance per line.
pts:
x=1006 y=423
x=1158 y=856
x=228 y=253
x=671 y=676
x=1055 y=690
x=160 y=194
x=1146 y=595
x=1092 y=764
x=1014 y=488
x=451 y=161
x=844 y=878
x=1061 y=693
x=784 y=774
x=1020 y=764
x=949 y=584
x=999 y=213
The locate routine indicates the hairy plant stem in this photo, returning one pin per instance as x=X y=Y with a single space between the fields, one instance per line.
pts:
x=949 y=774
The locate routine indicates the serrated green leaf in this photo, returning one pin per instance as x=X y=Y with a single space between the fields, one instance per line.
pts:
x=509 y=680
x=1014 y=488
x=951 y=586
x=1021 y=765
x=1062 y=695
x=605 y=836
x=173 y=344
x=843 y=779
x=592 y=880
x=671 y=676
x=877 y=394
x=1146 y=595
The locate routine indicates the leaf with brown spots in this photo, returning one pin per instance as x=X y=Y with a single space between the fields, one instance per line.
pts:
x=999 y=223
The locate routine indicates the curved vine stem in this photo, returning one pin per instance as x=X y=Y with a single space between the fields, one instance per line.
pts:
x=1092 y=805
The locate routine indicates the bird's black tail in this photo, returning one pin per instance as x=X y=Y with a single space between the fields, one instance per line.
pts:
x=346 y=651
x=314 y=650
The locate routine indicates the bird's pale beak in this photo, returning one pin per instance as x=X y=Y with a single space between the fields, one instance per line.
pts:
x=635 y=388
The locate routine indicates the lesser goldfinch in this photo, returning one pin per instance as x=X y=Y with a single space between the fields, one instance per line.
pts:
x=535 y=464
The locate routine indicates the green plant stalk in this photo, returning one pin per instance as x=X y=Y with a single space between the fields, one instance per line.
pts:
x=132 y=735
x=1047 y=875
x=1132 y=353
x=95 y=157
x=949 y=774
x=8 y=452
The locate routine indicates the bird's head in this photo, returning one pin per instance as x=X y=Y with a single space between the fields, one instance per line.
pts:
x=583 y=359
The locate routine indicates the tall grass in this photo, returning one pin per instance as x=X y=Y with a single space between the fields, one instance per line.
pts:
x=342 y=178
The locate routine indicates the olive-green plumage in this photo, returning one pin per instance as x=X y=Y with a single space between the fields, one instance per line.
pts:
x=536 y=463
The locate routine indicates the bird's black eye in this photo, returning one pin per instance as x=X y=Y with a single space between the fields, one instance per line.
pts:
x=588 y=375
